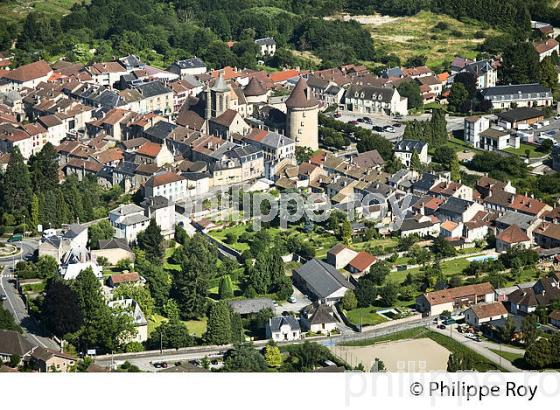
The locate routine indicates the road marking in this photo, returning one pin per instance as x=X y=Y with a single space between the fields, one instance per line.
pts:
x=8 y=296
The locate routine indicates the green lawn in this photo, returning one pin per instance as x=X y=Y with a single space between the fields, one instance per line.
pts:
x=365 y=316
x=449 y=268
x=418 y=36
x=196 y=327
x=509 y=356
x=533 y=153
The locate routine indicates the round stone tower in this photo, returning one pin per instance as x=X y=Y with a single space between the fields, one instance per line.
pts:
x=302 y=117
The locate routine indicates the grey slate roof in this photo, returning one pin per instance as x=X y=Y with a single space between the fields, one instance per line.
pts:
x=194 y=62
x=367 y=92
x=276 y=323
x=515 y=91
x=161 y=130
x=74 y=230
x=152 y=89
x=266 y=41
x=515 y=218
x=455 y=205
x=246 y=306
x=410 y=145
x=322 y=279
x=114 y=243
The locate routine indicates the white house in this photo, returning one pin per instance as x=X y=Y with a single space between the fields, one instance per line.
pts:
x=25 y=76
x=474 y=125
x=339 y=256
x=318 y=318
x=367 y=99
x=283 y=328
x=455 y=299
x=128 y=220
x=546 y=48
x=163 y=211
x=520 y=95
x=404 y=149
x=267 y=46
x=485 y=312
x=169 y=185
x=190 y=66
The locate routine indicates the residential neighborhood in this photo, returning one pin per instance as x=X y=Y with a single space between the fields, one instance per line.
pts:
x=280 y=189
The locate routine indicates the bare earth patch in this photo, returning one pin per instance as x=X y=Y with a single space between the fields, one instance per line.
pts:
x=414 y=355
x=373 y=20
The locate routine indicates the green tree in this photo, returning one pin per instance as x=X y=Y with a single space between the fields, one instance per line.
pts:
x=35 y=219
x=102 y=230
x=539 y=354
x=61 y=311
x=529 y=329
x=151 y=241
x=272 y=355
x=7 y=321
x=170 y=335
x=226 y=287
x=520 y=64
x=46 y=266
x=244 y=358
x=411 y=90
x=16 y=189
x=547 y=75
x=459 y=99
x=140 y=294
x=44 y=169
x=349 y=300
x=389 y=293
x=219 y=324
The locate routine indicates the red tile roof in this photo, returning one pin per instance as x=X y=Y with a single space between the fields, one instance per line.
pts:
x=362 y=261
x=449 y=295
x=149 y=149
x=29 y=72
x=164 y=179
x=512 y=234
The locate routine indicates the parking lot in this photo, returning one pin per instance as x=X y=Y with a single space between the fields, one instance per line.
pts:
x=379 y=121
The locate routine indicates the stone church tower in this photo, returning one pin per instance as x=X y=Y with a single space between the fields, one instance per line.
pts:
x=302 y=117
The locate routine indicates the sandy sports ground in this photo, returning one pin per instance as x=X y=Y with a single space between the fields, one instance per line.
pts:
x=412 y=355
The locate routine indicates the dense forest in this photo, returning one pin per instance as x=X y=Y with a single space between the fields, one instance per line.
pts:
x=162 y=31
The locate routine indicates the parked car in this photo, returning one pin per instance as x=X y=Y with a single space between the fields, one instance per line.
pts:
x=389 y=129
x=353 y=122
x=16 y=238
x=292 y=299
x=367 y=120
x=337 y=115
x=3 y=297
x=442 y=327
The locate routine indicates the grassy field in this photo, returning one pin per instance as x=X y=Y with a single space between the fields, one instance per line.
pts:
x=365 y=316
x=196 y=327
x=521 y=151
x=438 y=37
x=17 y=10
x=449 y=268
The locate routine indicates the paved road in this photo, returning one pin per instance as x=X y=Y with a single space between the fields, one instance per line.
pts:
x=483 y=348
x=144 y=360
x=15 y=305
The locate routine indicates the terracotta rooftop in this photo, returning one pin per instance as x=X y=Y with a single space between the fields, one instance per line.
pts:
x=149 y=149
x=362 y=261
x=29 y=72
x=513 y=234
x=485 y=310
x=449 y=295
x=164 y=179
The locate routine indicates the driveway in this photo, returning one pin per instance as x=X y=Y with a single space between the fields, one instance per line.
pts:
x=483 y=348
x=301 y=302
